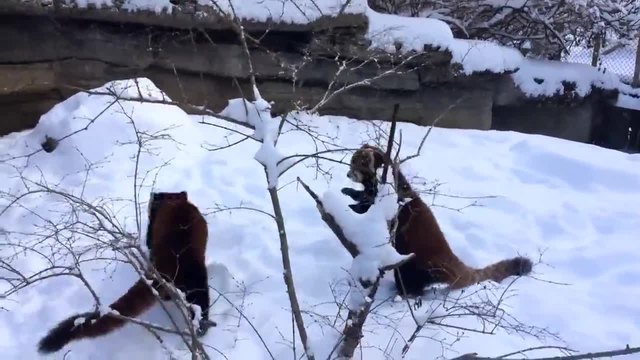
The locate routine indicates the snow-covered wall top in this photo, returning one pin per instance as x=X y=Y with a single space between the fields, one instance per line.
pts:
x=390 y=32
x=393 y=34
x=535 y=78
x=280 y=11
x=384 y=31
x=545 y=78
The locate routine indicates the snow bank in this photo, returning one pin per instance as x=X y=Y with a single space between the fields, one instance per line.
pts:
x=569 y=197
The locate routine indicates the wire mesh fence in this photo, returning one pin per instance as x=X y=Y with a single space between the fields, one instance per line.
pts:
x=619 y=59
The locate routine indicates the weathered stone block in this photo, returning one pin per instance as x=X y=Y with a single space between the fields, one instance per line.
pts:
x=23 y=111
x=562 y=121
x=26 y=79
x=473 y=109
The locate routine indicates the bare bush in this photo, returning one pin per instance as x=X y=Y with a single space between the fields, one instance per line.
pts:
x=541 y=27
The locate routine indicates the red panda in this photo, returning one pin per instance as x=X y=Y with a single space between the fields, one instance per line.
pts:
x=418 y=232
x=177 y=240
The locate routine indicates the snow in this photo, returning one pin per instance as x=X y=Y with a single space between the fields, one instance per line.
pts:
x=287 y=11
x=576 y=203
x=553 y=73
x=386 y=30
x=266 y=131
x=480 y=56
x=370 y=235
x=299 y=11
x=538 y=77
x=628 y=102
x=413 y=33
x=257 y=114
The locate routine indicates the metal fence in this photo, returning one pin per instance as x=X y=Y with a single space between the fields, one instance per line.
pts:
x=620 y=60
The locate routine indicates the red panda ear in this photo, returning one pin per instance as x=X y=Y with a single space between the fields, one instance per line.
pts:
x=183 y=196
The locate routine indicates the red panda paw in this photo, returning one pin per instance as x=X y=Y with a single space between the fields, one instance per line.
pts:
x=204 y=327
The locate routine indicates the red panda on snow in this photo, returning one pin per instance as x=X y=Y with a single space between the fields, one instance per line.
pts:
x=418 y=232
x=177 y=240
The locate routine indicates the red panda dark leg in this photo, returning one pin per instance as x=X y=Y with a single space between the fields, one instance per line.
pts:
x=195 y=285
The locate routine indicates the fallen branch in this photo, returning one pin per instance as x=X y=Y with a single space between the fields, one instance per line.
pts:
x=597 y=355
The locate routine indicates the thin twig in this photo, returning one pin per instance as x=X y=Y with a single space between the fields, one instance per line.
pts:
x=392 y=133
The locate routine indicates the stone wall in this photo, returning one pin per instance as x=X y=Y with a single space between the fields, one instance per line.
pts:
x=576 y=119
x=45 y=58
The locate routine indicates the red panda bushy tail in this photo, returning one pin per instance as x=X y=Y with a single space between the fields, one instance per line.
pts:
x=89 y=325
x=518 y=266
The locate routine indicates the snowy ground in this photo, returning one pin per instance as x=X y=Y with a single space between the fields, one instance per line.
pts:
x=578 y=203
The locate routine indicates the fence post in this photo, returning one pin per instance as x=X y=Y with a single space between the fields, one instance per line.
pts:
x=636 y=73
x=595 y=55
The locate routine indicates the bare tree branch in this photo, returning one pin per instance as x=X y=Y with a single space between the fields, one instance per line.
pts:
x=597 y=355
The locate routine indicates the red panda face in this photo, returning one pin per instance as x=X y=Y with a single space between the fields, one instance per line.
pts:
x=363 y=165
x=156 y=198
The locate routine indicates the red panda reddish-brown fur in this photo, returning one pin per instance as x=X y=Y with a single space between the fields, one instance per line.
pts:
x=418 y=232
x=177 y=240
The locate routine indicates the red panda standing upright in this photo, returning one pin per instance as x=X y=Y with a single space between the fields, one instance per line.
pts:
x=177 y=240
x=418 y=232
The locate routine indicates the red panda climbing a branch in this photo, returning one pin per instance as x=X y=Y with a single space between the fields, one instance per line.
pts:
x=418 y=232
x=177 y=240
